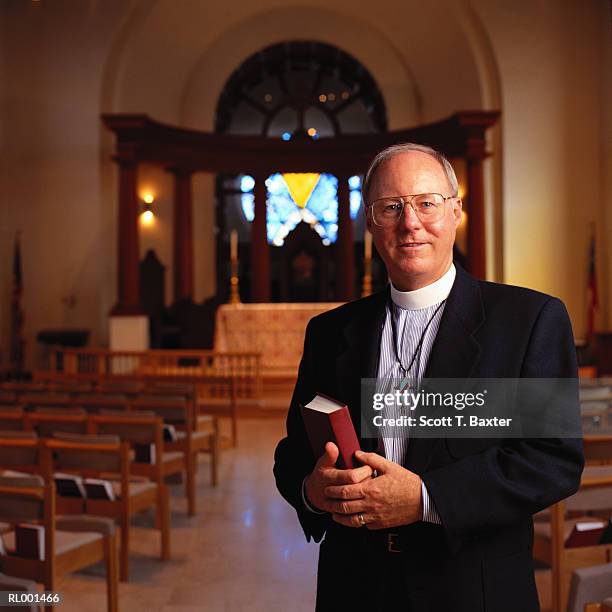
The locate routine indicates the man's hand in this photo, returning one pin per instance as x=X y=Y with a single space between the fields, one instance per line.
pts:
x=326 y=475
x=391 y=499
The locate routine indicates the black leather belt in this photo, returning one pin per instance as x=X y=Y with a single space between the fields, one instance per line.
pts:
x=393 y=543
x=385 y=542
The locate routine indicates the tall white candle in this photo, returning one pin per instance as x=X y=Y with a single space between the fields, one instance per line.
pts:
x=234 y=245
x=367 y=245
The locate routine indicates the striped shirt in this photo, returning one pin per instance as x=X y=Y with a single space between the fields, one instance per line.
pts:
x=415 y=314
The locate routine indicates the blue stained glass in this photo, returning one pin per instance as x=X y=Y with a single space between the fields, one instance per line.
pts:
x=320 y=212
x=355 y=199
x=355 y=195
x=323 y=204
x=283 y=214
x=355 y=182
x=248 y=206
x=247 y=183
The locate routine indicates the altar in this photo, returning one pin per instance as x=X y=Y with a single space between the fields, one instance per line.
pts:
x=274 y=330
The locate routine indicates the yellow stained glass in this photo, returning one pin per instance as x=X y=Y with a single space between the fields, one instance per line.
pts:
x=301 y=186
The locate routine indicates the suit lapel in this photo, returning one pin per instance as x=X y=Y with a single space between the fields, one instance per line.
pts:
x=360 y=356
x=454 y=352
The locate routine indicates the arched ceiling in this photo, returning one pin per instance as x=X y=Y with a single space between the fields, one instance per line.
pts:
x=172 y=60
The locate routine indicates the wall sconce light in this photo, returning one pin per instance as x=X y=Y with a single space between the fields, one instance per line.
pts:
x=147 y=215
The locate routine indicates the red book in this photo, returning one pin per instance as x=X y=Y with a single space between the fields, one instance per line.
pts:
x=328 y=420
x=30 y=541
x=586 y=534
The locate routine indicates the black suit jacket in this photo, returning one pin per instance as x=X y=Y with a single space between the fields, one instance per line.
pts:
x=484 y=490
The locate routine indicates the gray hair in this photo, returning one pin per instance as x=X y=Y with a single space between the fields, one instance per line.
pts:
x=405 y=147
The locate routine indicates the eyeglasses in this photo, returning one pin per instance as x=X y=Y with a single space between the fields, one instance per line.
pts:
x=428 y=207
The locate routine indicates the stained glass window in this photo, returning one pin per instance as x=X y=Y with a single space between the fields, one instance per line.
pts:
x=296 y=197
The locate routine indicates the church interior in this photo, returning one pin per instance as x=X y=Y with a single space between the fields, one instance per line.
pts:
x=180 y=192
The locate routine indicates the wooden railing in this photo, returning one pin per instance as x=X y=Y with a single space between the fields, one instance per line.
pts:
x=196 y=366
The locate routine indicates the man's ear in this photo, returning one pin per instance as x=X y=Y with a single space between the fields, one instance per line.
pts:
x=457 y=210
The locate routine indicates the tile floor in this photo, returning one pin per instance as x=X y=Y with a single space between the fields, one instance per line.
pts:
x=243 y=552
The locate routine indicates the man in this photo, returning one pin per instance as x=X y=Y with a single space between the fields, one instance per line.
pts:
x=427 y=524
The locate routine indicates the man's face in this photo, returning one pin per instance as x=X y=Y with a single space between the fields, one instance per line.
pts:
x=415 y=254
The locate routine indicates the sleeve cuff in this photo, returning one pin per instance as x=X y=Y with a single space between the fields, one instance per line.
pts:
x=430 y=514
x=307 y=503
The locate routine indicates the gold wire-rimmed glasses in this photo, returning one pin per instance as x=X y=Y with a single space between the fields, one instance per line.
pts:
x=428 y=207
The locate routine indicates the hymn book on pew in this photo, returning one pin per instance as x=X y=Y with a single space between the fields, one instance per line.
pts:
x=145 y=453
x=328 y=420
x=170 y=434
x=30 y=541
x=72 y=485
x=69 y=485
x=590 y=533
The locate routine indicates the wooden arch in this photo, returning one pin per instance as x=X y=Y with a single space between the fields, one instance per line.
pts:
x=183 y=151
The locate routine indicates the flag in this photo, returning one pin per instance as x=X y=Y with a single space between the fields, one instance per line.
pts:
x=17 y=316
x=592 y=300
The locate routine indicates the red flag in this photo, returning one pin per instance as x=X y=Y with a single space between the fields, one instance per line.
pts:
x=17 y=316
x=592 y=300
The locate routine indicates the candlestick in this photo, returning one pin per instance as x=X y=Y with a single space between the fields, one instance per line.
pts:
x=366 y=285
x=367 y=245
x=234 y=245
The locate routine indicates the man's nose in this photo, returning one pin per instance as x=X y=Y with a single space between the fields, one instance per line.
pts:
x=409 y=219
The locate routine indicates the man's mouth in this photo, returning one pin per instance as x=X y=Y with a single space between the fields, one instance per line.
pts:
x=412 y=245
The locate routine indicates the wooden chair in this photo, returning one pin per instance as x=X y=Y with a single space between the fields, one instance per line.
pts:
x=95 y=402
x=594 y=498
x=10 y=583
x=24 y=386
x=43 y=399
x=69 y=544
x=219 y=396
x=71 y=387
x=106 y=457
x=605 y=606
x=11 y=418
x=230 y=381
x=50 y=421
x=175 y=390
x=7 y=398
x=179 y=412
x=589 y=584
x=128 y=388
x=146 y=430
x=20 y=452
x=143 y=429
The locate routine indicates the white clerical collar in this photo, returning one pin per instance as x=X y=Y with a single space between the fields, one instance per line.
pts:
x=425 y=296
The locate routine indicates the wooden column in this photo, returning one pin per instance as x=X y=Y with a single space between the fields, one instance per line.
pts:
x=260 y=251
x=183 y=235
x=128 y=255
x=345 y=252
x=476 y=255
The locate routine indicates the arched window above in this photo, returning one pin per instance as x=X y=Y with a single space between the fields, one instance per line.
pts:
x=306 y=88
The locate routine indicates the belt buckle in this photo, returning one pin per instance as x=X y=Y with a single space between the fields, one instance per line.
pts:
x=392 y=543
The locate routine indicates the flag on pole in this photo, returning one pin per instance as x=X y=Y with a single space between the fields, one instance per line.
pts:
x=592 y=299
x=17 y=316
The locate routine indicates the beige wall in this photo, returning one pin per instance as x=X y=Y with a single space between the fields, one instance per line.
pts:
x=54 y=55
x=547 y=66
x=551 y=61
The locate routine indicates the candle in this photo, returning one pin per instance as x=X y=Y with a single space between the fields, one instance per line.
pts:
x=234 y=245
x=368 y=245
